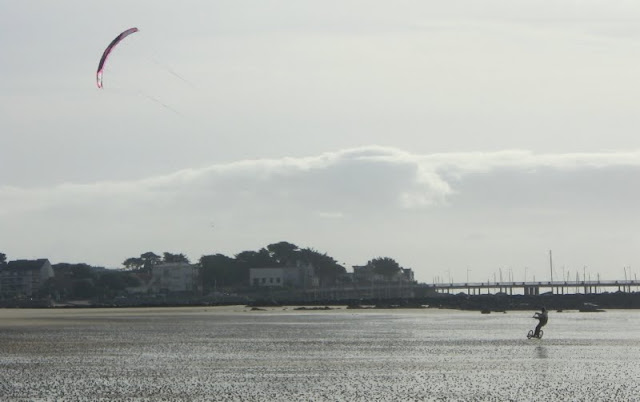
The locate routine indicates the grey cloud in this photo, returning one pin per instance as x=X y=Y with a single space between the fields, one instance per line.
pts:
x=343 y=181
x=394 y=202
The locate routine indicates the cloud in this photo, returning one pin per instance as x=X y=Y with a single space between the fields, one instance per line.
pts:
x=374 y=193
x=344 y=181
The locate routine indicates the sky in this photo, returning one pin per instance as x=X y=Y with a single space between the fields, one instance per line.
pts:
x=464 y=139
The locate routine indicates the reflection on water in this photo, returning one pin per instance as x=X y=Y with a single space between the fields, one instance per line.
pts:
x=345 y=355
x=541 y=352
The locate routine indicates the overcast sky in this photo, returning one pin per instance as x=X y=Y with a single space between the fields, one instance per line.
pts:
x=457 y=137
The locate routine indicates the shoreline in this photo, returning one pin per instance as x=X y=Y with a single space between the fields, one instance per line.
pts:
x=489 y=302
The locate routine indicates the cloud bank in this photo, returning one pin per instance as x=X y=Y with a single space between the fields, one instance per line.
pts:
x=318 y=198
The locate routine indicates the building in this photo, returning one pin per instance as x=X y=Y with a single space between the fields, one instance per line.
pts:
x=24 y=278
x=300 y=277
x=407 y=275
x=175 y=277
x=366 y=273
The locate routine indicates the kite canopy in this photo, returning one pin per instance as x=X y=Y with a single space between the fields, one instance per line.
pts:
x=108 y=50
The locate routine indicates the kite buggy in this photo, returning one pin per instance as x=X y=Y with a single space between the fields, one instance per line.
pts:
x=542 y=317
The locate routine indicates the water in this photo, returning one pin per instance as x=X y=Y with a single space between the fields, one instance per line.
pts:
x=233 y=354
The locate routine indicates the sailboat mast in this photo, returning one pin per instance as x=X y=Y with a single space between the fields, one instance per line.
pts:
x=551 y=265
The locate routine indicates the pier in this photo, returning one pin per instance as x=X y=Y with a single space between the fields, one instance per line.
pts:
x=532 y=288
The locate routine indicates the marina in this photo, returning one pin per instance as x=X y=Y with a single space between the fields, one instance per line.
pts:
x=533 y=288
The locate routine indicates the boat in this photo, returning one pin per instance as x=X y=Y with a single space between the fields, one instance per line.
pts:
x=590 y=308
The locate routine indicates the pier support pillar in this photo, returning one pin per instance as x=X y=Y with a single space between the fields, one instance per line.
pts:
x=531 y=290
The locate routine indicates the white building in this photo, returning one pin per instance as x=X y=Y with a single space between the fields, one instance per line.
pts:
x=173 y=277
x=24 y=277
x=301 y=276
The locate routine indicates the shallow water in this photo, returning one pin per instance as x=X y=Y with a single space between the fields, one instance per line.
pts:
x=233 y=354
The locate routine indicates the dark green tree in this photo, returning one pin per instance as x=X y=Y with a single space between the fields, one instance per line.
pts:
x=150 y=260
x=385 y=266
x=256 y=259
x=219 y=271
x=326 y=268
x=133 y=263
x=83 y=289
x=113 y=283
x=173 y=258
x=3 y=258
x=284 y=253
x=74 y=271
x=65 y=284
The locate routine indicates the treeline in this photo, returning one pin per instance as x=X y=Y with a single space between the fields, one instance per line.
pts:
x=217 y=271
x=82 y=281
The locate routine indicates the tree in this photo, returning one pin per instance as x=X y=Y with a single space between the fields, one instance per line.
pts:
x=256 y=259
x=133 y=263
x=83 y=289
x=326 y=268
x=3 y=258
x=174 y=258
x=385 y=266
x=219 y=271
x=150 y=260
x=74 y=271
x=145 y=262
x=112 y=283
x=283 y=253
x=72 y=281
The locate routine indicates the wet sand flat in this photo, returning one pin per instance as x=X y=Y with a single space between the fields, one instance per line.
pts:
x=234 y=354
